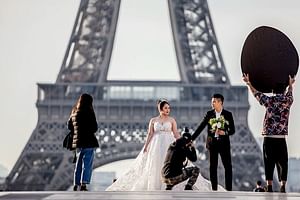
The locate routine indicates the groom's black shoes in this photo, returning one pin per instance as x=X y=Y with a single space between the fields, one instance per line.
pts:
x=269 y=188
x=214 y=187
x=169 y=187
x=188 y=187
x=282 y=188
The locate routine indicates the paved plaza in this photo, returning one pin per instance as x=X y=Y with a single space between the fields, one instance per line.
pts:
x=146 y=195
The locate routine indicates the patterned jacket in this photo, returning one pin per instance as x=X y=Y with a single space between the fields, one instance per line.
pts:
x=277 y=112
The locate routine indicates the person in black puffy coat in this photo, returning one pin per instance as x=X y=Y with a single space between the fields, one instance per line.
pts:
x=83 y=123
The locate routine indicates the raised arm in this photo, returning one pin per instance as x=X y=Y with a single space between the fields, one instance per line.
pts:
x=291 y=82
x=174 y=129
x=260 y=97
x=289 y=93
x=149 y=135
x=247 y=81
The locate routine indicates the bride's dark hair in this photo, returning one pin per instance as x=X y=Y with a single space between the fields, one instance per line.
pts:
x=161 y=103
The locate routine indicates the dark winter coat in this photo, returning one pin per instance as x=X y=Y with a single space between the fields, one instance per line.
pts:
x=84 y=125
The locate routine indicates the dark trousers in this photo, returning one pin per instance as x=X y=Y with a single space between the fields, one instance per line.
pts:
x=275 y=153
x=220 y=146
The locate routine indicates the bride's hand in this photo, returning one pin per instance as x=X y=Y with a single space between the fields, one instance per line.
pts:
x=145 y=149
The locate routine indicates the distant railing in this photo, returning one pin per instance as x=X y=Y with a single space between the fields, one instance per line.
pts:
x=142 y=91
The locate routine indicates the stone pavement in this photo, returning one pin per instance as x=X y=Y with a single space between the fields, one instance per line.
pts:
x=157 y=195
x=146 y=195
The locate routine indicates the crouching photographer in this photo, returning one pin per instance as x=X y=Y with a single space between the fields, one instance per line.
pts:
x=174 y=170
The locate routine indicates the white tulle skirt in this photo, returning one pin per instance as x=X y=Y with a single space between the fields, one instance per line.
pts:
x=145 y=172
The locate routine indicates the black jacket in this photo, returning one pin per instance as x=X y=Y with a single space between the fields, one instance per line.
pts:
x=175 y=158
x=229 y=129
x=84 y=125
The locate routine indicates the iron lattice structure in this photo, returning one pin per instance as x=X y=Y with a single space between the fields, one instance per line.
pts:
x=123 y=108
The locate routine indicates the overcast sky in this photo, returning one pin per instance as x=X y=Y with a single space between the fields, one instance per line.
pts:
x=34 y=35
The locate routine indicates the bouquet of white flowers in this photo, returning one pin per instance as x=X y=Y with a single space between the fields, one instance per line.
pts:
x=218 y=123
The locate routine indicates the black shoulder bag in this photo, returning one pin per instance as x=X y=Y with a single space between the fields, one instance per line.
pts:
x=67 y=143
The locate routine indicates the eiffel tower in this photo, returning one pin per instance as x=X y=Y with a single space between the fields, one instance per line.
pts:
x=123 y=108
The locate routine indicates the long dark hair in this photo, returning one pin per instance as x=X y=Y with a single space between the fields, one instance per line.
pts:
x=85 y=102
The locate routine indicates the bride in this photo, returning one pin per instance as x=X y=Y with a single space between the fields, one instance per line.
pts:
x=145 y=172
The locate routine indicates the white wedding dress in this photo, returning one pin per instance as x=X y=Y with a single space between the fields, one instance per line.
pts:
x=145 y=172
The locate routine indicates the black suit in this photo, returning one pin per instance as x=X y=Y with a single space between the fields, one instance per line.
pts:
x=220 y=145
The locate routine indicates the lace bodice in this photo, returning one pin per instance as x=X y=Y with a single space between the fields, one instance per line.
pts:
x=162 y=127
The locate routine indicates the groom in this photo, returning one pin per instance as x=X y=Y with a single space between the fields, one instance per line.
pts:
x=220 y=126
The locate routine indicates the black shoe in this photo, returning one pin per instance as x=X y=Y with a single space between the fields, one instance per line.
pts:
x=269 y=188
x=169 y=187
x=75 y=187
x=83 y=188
x=188 y=187
x=214 y=188
x=282 y=189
